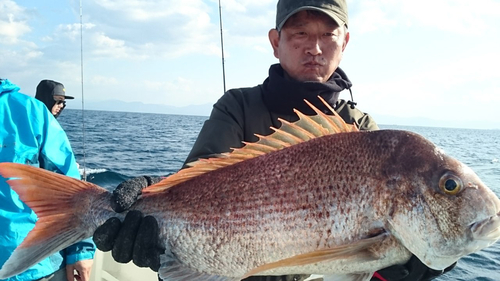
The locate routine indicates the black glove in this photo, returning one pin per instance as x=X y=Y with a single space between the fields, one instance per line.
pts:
x=136 y=238
x=413 y=270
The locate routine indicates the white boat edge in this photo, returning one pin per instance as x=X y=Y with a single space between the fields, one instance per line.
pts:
x=105 y=268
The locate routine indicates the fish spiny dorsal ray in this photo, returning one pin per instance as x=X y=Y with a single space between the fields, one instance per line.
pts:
x=302 y=130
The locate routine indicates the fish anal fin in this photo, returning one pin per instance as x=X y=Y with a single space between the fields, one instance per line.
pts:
x=173 y=270
x=349 y=277
x=304 y=129
x=354 y=249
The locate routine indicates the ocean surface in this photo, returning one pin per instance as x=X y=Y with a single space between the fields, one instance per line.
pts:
x=114 y=146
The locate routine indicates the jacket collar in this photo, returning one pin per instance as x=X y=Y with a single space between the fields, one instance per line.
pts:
x=282 y=93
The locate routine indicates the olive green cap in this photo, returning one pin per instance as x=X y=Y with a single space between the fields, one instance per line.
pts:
x=336 y=9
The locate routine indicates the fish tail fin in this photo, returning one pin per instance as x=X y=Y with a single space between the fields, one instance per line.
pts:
x=61 y=204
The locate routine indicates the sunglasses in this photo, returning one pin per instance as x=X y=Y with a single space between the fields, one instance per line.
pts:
x=58 y=102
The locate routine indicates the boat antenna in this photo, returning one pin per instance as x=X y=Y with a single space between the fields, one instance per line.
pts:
x=83 y=101
x=222 y=48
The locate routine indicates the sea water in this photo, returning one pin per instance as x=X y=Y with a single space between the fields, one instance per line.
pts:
x=114 y=146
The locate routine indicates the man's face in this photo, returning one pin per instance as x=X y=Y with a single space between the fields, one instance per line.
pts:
x=59 y=105
x=310 y=46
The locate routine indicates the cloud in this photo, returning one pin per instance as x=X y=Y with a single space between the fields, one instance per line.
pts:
x=465 y=89
x=183 y=90
x=98 y=80
x=72 y=32
x=456 y=16
x=13 y=24
x=246 y=6
x=16 y=51
x=103 y=46
x=165 y=29
x=139 y=30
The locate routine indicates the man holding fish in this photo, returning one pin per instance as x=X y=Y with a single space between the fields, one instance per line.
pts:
x=309 y=40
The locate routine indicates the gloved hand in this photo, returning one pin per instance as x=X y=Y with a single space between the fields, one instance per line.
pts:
x=136 y=238
x=413 y=270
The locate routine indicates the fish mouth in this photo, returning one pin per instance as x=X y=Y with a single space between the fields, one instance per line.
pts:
x=487 y=230
x=484 y=233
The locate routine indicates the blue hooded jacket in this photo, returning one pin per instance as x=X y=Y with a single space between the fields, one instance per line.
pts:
x=29 y=134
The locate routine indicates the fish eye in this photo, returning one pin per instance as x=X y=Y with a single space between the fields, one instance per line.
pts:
x=450 y=184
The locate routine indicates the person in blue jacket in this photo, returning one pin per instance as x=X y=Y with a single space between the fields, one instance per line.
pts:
x=29 y=134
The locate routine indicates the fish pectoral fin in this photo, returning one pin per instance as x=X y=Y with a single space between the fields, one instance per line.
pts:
x=343 y=251
x=349 y=277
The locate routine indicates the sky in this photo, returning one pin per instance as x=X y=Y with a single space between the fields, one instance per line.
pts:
x=425 y=61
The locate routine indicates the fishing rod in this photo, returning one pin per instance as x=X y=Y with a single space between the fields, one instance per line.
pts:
x=222 y=48
x=83 y=101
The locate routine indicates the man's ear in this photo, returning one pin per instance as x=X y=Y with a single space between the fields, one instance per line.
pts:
x=274 y=39
x=346 y=40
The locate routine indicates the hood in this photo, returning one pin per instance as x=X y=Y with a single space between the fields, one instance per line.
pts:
x=6 y=86
x=47 y=89
x=282 y=93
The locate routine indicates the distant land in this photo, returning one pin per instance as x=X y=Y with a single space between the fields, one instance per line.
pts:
x=427 y=122
x=117 y=105
x=205 y=109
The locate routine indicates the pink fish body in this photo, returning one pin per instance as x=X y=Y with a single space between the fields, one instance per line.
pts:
x=315 y=197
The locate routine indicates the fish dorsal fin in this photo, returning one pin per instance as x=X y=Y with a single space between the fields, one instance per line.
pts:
x=304 y=129
x=360 y=249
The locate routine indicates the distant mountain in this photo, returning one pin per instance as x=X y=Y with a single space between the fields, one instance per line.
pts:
x=427 y=122
x=117 y=105
x=205 y=109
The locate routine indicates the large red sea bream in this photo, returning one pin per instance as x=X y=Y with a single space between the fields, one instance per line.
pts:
x=315 y=197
